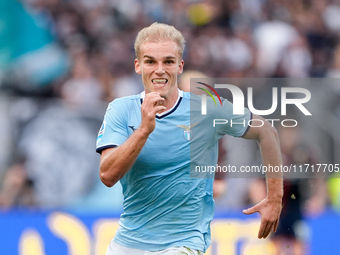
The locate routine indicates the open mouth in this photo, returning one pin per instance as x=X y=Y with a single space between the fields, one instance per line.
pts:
x=159 y=81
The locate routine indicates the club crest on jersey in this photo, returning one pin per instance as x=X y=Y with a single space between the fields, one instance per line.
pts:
x=102 y=130
x=187 y=130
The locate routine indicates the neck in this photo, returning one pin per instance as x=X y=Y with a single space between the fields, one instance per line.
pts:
x=170 y=100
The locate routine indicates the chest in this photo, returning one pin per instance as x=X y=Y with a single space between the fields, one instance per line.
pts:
x=169 y=143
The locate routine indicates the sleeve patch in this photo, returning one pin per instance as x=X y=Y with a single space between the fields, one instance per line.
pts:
x=102 y=130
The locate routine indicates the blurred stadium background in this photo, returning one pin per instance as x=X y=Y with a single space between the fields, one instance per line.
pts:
x=62 y=61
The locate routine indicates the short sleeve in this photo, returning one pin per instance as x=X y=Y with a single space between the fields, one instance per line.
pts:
x=113 y=131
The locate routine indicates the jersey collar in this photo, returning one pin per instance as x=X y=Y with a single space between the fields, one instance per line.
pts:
x=169 y=111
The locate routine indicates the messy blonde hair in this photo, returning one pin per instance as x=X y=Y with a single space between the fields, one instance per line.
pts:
x=159 y=32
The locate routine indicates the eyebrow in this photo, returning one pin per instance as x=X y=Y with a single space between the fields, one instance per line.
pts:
x=167 y=57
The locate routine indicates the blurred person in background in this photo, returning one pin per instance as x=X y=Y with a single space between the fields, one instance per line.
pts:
x=54 y=144
x=54 y=136
x=16 y=188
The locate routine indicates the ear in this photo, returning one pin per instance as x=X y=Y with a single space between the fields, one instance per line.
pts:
x=181 y=65
x=137 y=67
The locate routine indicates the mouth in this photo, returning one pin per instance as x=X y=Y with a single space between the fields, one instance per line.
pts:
x=159 y=82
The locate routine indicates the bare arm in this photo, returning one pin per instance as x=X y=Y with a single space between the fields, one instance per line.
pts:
x=116 y=162
x=269 y=208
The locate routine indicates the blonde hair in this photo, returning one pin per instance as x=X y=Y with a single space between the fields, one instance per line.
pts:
x=159 y=32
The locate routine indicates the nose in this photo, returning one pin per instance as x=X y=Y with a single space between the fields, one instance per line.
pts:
x=160 y=69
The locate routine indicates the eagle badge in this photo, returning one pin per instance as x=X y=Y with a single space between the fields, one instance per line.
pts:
x=187 y=130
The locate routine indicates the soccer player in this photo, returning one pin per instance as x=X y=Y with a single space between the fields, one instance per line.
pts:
x=145 y=143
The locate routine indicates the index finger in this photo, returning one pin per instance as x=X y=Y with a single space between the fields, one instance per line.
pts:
x=152 y=94
x=153 y=99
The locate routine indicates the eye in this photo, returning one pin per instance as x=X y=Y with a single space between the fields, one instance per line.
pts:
x=169 y=62
x=149 y=61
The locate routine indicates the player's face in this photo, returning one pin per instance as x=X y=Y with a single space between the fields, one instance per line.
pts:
x=159 y=64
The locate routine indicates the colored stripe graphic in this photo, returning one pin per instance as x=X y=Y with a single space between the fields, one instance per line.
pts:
x=207 y=91
x=211 y=88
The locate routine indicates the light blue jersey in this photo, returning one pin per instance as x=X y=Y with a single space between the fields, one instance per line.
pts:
x=163 y=206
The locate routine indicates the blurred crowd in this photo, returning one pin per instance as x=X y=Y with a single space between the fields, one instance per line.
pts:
x=48 y=132
x=53 y=98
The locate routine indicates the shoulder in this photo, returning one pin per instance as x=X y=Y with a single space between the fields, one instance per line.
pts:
x=124 y=102
x=120 y=107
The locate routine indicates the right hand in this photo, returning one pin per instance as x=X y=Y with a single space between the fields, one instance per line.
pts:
x=270 y=210
x=152 y=104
